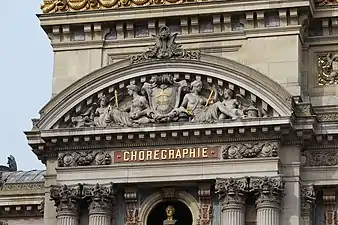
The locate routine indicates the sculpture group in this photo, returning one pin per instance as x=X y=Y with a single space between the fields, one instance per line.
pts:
x=166 y=99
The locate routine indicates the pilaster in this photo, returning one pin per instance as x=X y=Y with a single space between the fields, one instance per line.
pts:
x=205 y=203
x=232 y=193
x=132 y=211
x=308 y=197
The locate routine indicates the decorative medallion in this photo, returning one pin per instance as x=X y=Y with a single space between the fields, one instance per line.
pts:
x=250 y=150
x=83 y=158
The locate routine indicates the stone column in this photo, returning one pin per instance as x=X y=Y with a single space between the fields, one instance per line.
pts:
x=66 y=200
x=270 y=192
x=101 y=198
x=232 y=193
x=308 y=198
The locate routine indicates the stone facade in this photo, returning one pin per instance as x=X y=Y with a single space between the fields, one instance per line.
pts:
x=222 y=114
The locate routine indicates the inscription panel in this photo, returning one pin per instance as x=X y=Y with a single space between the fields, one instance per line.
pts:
x=167 y=154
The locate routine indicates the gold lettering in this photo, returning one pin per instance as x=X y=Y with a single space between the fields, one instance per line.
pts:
x=178 y=154
x=171 y=154
x=185 y=152
x=164 y=154
x=156 y=154
x=126 y=156
x=133 y=156
x=205 y=153
x=141 y=155
x=149 y=155
x=192 y=153
x=198 y=152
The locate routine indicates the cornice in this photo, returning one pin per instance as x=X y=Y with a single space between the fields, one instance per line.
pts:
x=147 y=12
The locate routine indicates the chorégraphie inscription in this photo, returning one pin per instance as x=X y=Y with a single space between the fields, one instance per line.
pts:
x=172 y=154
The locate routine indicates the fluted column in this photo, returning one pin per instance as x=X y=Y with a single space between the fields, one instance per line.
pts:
x=308 y=198
x=232 y=193
x=269 y=191
x=101 y=199
x=66 y=200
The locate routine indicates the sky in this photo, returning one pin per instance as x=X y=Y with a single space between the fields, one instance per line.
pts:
x=26 y=65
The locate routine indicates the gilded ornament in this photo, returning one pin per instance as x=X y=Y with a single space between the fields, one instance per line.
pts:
x=53 y=6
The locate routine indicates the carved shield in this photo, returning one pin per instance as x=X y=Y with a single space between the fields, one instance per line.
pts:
x=164 y=99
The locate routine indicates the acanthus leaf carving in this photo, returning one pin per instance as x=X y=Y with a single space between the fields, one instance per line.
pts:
x=269 y=190
x=66 y=198
x=320 y=158
x=165 y=47
x=308 y=198
x=166 y=99
x=83 y=158
x=250 y=150
x=101 y=197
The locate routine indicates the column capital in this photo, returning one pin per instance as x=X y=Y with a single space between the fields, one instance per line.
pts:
x=66 y=198
x=270 y=191
x=308 y=198
x=231 y=192
x=101 y=198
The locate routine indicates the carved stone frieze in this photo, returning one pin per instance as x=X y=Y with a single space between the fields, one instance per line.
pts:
x=66 y=198
x=101 y=198
x=132 y=211
x=269 y=190
x=250 y=150
x=84 y=158
x=327 y=117
x=325 y=2
x=327 y=67
x=321 y=158
x=165 y=48
x=308 y=198
x=206 y=209
x=166 y=98
x=231 y=191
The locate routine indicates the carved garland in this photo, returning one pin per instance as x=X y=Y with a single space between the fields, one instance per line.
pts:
x=250 y=150
x=83 y=158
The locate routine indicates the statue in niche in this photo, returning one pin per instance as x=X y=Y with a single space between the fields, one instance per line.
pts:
x=170 y=211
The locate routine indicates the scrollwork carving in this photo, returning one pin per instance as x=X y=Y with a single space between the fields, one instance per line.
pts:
x=165 y=48
x=328 y=69
x=269 y=190
x=308 y=198
x=84 y=158
x=66 y=198
x=231 y=191
x=250 y=150
x=321 y=158
x=101 y=198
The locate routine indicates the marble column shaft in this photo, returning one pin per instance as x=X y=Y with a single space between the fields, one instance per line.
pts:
x=99 y=218
x=233 y=214
x=67 y=219
x=268 y=214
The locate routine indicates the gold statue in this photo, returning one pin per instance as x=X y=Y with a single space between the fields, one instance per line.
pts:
x=170 y=211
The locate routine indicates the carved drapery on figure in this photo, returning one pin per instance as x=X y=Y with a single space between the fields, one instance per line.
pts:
x=166 y=98
x=132 y=211
x=165 y=48
x=328 y=69
x=205 y=202
x=250 y=150
x=84 y=158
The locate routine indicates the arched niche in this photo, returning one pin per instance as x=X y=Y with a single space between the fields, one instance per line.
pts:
x=156 y=198
x=214 y=70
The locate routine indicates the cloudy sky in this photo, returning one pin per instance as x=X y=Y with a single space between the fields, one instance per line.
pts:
x=26 y=65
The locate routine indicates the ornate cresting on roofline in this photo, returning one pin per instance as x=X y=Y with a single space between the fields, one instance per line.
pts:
x=52 y=6
x=165 y=47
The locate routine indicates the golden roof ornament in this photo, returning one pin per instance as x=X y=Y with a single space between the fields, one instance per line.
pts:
x=53 y=6
x=165 y=47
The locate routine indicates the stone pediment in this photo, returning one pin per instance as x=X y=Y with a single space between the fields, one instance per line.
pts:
x=209 y=90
